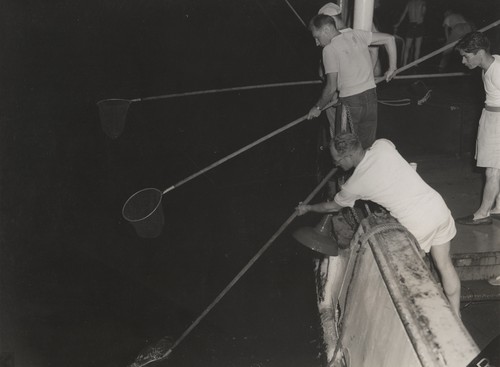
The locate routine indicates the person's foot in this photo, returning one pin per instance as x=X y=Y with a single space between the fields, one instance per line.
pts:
x=495 y=215
x=470 y=220
x=494 y=281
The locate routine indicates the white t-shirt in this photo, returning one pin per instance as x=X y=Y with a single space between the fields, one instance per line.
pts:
x=386 y=178
x=347 y=54
x=491 y=80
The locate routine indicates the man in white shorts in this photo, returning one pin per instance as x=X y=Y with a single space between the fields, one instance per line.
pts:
x=383 y=176
x=475 y=51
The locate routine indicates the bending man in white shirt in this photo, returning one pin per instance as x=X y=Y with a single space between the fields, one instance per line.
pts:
x=383 y=176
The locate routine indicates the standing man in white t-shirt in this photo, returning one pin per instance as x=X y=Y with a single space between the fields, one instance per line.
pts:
x=383 y=176
x=475 y=51
x=349 y=70
x=334 y=11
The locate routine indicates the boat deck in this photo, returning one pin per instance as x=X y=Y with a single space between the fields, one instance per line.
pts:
x=460 y=183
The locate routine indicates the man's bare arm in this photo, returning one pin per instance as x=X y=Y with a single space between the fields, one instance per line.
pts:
x=325 y=207
x=387 y=40
x=327 y=95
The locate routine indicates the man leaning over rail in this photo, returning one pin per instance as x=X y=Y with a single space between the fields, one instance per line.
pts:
x=349 y=69
x=383 y=176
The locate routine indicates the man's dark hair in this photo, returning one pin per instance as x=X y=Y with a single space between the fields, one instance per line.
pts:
x=346 y=143
x=321 y=20
x=473 y=42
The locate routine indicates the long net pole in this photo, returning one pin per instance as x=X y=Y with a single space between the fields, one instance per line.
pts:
x=444 y=48
x=288 y=84
x=296 y=14
x=250 y=263
x=293 y=123
x=241 y=150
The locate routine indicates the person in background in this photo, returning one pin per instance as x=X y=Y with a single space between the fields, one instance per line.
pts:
x=415 y=10
x=349 y=70
x=455 y=27
x=383 y=176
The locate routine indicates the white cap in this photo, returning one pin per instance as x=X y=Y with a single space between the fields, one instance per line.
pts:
x=330 y=9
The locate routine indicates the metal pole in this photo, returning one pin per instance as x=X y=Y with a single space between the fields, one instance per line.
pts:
x=363 y=15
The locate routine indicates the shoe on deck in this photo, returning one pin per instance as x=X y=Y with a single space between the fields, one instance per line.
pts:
x=495 y=215
x=494 y=281
x=470 y=221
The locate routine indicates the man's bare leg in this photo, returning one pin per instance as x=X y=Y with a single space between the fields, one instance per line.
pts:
x=408 y=44
x=496 y=207
x=418 y=46
x=490 y=194
x=449 y=276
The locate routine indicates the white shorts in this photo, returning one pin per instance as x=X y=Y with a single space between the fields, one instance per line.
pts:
x=440 y=235
x=488 y=140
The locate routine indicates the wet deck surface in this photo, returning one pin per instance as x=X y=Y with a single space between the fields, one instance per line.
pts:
x=460 y=184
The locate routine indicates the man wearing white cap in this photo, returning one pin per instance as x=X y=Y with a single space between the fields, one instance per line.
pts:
x=334 y=11
x=349 y=70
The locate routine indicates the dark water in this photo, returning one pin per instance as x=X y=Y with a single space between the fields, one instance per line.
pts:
x=78 y=286
x=81 y=288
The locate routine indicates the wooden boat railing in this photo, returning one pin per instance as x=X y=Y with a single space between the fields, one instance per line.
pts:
x=381 y=305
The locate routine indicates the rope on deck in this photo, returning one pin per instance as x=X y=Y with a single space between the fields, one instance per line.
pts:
x=479 y=291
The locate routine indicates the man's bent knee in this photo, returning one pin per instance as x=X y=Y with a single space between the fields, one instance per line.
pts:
x=492 y=173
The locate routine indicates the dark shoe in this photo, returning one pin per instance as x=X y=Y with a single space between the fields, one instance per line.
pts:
x=495 y=215
x=469 y=220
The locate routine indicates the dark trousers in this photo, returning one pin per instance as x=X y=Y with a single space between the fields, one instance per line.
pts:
x=362 y=113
